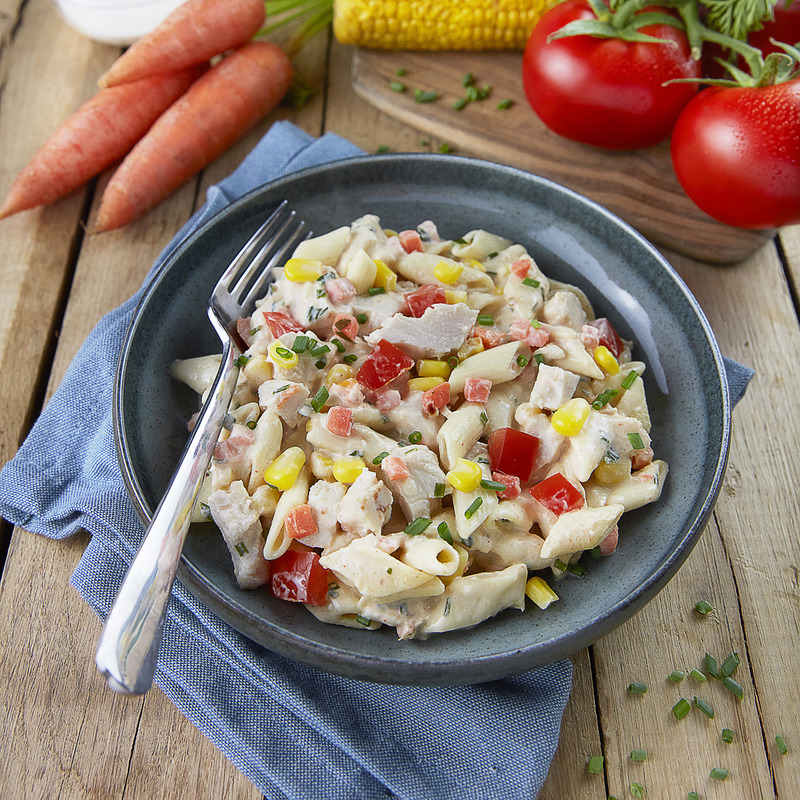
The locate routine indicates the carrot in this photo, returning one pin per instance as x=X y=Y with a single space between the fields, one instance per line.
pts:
x=195 y=32
x=219 y=108
x=99 y=133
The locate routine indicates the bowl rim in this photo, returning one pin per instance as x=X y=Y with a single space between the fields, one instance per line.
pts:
x=423 y=673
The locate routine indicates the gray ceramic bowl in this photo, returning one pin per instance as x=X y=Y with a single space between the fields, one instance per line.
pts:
x=573 y=240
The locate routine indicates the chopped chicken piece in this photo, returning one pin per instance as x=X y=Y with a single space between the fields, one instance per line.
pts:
x=553 y=387
x=285 y=398
x=366 y=506
x=416 y=492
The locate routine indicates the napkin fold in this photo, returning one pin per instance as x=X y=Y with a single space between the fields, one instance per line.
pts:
x=297 y=733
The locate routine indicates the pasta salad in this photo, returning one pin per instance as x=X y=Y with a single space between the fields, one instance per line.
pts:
x=423 y=429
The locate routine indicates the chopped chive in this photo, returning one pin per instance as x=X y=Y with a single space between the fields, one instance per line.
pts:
x=421 y=96
x=733 y=686
x=702 y=607
x=473 y=507
x=453 y=362
x=321 y=350
x=319 y=399
x=681 y=708
x=383 y=148
x=636 y=790
x=472 y=93
x=560 y=565
x=630 y=379
x=300 y=343
x=484 y=419
x=378 y=458
x=638 y=755
x=576 y=569
x=338 y=345
x=730 y=664
x=460 y=240
x=704 y=707
x=783 y=748
x=595 y=551
x=321 y=364
x=595 y=765
x=444 y=532
x=401 y=72
x=636 y=441
x=531 y=282
x=415 y=437
x=283 y=352
x=536 y=324
x=363 y=621
x=493 y=486
x=241 y=548
x=727 y=735
x=711 y=666
x=444 y=147
x=460 y=103
x=637 y=688
x=485 y=319
x=242 y=360
x=718 y=774
x=361 y=318
x=692 y=796
x=376 y=290
x=522 y=360
x=539 y=359
x=698 y=676
x=254 y=331
x=251 y=424
x=505 y=104
x=468 y=79
x=281 y=388
x=438 y=490
x=604 y=398
x=417 y=526
x=397 y=86
x=676 y=676
x=350 y=358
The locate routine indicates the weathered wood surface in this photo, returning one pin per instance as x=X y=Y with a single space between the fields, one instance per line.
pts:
x=63 y=734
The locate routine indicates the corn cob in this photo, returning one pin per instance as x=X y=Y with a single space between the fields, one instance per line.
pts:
x=415 y=24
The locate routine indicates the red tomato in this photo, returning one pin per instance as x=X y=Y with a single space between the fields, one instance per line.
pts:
x=298 y=576
x=606 y=92
x=513 y=452
x=279 y=322
x=736 y=153
x=608 y=336
x=420 y=300
x=557 y=494
x=784 y=28
x=385 y=363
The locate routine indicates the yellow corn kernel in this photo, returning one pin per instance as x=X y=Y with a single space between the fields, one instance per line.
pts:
x=447 y=273
x=540 y=592
x=282 y=356
x=385 y=277
x=465 y=476
x=299 y=270
x=478 y=265
x=346 y=470
x=429 y=367
x=321 y=465
x=571 y=417
x=611 y=473
x=389 y=232
x=453 y=296
x=257 y=370
x=466 y=25
x=283 y=471
x=339 y=373
x=472 y=346
x=423 y=384
x=605 y=360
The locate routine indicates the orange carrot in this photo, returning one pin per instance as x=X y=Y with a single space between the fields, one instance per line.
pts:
x=99 y=133
x=219 y=108
x=195 y=32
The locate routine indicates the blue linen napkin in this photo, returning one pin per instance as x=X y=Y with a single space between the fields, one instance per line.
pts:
x=272 y=717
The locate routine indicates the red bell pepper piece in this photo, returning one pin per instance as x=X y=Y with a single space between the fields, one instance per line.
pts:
x=298 y=576
x=420 y=300
x=385 y=363
x=557 y=494
x=513 y=452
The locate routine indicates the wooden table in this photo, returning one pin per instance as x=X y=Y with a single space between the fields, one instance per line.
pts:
x=63 y=734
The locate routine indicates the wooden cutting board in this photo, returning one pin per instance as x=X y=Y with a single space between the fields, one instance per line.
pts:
x=638 y=186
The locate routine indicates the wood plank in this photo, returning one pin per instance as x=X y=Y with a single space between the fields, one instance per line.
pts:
x=639 y=186
x=752 y=312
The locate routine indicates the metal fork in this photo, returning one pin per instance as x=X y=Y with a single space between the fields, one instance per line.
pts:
x=129 y=644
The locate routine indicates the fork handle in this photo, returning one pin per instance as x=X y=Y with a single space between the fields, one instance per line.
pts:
x=129 y=644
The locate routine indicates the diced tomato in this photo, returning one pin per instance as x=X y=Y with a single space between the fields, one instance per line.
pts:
x=490 y=337
x=345 y=325
x=476 y=390
x=520 y=267
x=385 y=363
x=609 y=544
x=395 y=469
x=557 y=494
x=523 y=331
x=340 y=290
x=608 y=336
x=512 y=484
x=641 y=458
x=339 y=421
x=420 y=300
x=299 y=522
x=411 y=241
x=279 y=322
x=298 y=576
x=513 y=452
x=436 y=398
